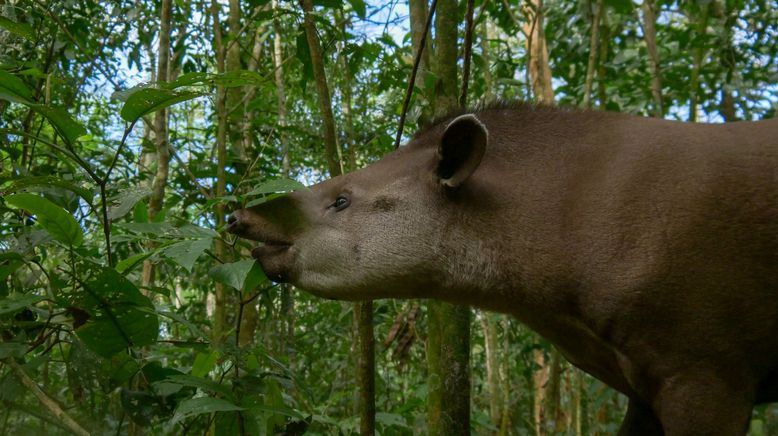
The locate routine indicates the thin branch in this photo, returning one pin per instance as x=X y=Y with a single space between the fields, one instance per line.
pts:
x=45 y=400
x=104 y=197
x=409 y=90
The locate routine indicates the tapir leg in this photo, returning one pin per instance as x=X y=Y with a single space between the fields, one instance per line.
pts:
x=701 y=403
x=640 y=421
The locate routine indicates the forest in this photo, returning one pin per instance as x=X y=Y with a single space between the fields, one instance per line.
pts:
x=130 y=129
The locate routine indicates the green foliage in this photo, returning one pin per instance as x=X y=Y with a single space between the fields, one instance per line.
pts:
x=148 y=100
x=120 y=351
x=57 y=221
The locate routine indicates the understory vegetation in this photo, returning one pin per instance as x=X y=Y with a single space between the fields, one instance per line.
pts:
x=129 y=130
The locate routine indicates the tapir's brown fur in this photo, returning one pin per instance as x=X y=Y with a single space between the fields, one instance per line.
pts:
x=645 y=250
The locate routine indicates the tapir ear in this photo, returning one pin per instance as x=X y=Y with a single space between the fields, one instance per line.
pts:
x=461 y=149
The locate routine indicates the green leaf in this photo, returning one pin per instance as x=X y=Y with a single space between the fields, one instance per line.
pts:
x=192 y=231
x=121 y=368
x=141 y=213
x=204 y=363
x=254 y=278
x=13 y=88
x=148 y=100
x=56 y=220
x=391 y=419
x=188 y=324
x=63 y=123
x=304 y=55
x=189 y=79
x=20 y=29
x=129 y=263
x=328 y=3
x=8 y=267
x=12 y=349
x=126 y=201
x=16 y=302
x=237 y=78
x=48 y=181
x=119 y=315
x=202 y=383
x=359 y=7
x=198 y=406
x=277 y=185
x=158 y=229
x=232 y=274
x=185 y=253
x=278 y=410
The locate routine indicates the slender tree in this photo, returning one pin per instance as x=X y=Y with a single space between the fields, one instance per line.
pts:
x=160 y=127
x=287 y=301
x=649 y=34
x=221 y=251
x=448 y=341
x=700 y=27
x=363 y=311
x=538 y=66
x=603 y=57
x=593 y=44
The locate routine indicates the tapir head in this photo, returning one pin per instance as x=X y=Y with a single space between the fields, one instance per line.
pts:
x=383 y=231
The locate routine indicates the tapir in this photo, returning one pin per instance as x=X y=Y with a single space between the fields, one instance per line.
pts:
x=646 y=250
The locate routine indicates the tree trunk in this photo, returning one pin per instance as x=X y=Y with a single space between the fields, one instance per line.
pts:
x=649 y=33
x=593 y=42
x=539 y=382
x=579 y=414
x=248 y=325
x=605 y=37
x=418 y=10
x=220 y=295
x=363 y=310
x=505 y=373
x=491 y=345
x=487 y=34
x=160 y=132
x=697 y=55
x=448 y=355
x=287 y=302
x=445 y=65
x=325 y=102
x=448 y=342
x=554 y=393
x=278 y=63
x=363 y=315
x=728 y=57
x=539 y=69
x=235 y=95
x=348 y=118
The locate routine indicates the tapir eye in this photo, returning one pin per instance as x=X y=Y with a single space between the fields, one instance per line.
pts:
x=341 y=202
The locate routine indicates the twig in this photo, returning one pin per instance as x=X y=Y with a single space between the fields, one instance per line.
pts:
x=103 y=197
x=412 y=81
x=45 y=399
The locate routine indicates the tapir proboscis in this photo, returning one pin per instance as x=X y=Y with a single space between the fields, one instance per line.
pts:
x=646 y=250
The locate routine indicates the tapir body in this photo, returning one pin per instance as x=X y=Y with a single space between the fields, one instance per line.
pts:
x=646 y=250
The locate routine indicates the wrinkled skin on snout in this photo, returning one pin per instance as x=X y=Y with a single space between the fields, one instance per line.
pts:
x=379 y=232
